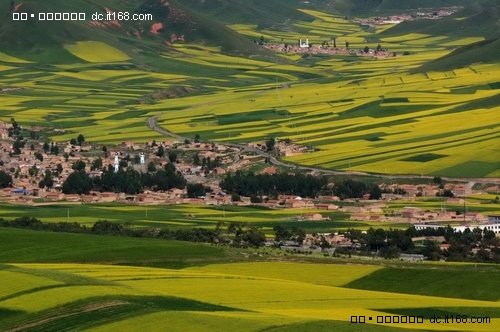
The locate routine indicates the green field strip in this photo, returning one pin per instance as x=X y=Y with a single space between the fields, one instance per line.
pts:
x=46 y=247
x=97 y=311
x=17 y=283
x=318 y=274
x=431 y=281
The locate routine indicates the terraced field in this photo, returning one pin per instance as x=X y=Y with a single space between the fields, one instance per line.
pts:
x=189 y=216
x=364 y=113
x=241 y=297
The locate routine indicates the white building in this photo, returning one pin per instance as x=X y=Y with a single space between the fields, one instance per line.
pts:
x=302 y=44
x=492 y=227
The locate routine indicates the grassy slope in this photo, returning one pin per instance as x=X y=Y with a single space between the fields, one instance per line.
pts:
x=249 y=11
x=481 y=52
x=32 y=246
x=433 y=281
x=473 y=20
x=44 y=40
x=292 y=298
x=380 y=7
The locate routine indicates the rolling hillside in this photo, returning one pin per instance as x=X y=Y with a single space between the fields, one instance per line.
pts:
x=485 y=51
x=199 y=76
x=481 y=19
x=376 y=7
x=66 y=282
x=44 y=41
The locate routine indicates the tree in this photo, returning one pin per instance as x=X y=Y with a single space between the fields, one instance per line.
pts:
x=196 y=159
x=366 y=49
x=448 y=193
x=96 y=164
x=80 y=139
x=375 y=192
x=235 y=197
x=255 y=199
x=79 y=165
x=106 y=227
x=347 y=45
x=38 y=156
x=105 y=150
x=197 y=138
x=59 y=168
x=431 y=251
x=18 y=144
x=66 y=156
x=161 y=151
x=5 y=180
x=137 y=159
x=131 y=190
x=172 y=156
x=324 y=243
x=389 y=252
x=77 y=183
x=72 y=141
x=55 y=150
x=123 y=163
x=47 y=180
x=281 y=233
x=33 y=171
x=46 y=147
x=270 y=143
x=379 y=48
x=195 y=190
x=151 y=167
x=254 y=237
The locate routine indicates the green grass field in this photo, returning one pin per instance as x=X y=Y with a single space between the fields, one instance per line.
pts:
x=219 y=289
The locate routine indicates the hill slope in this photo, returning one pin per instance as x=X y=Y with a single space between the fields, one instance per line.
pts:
x=376 y=7
x=485 y=51
x=473 y=20
x=44 y=40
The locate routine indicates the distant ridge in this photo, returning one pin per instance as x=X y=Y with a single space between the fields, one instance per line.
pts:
x=44 y=41
x=485 y=51
x=377 y=7
x=480 y=19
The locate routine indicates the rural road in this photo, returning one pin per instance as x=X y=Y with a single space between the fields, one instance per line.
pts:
x=152 y=123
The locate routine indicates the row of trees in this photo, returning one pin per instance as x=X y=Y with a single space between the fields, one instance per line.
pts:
x=356 y=189
x=248 y=184
x=127 y=180
x=462 y=245
x=236 y=234
x=391 y=243
x=387 y=243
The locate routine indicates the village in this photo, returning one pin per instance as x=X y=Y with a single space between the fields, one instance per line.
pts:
x=335 y=47
x=192 y=159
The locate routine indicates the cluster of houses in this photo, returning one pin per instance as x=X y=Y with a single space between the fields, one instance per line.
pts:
x=328 y=49
x=396 y=19
x=25 y=189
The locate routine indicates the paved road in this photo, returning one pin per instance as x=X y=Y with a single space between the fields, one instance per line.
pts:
x=152 y=123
